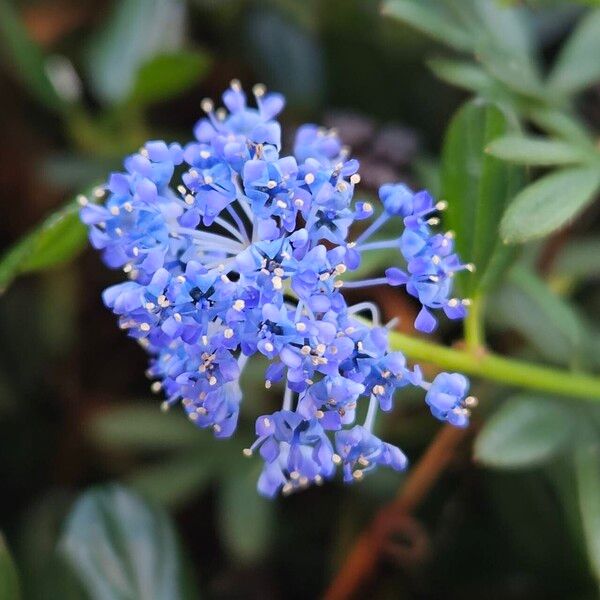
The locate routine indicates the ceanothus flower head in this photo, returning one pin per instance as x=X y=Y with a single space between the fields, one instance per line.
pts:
x=246 y=253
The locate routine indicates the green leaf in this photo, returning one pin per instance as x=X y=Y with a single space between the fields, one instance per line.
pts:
x=175 y=480
x=578 y=259
x=517 y=74
x=121 y=547
x=510 y=308
x=135 y=32
x=168 y=75
x=549 y=203
x=535 y=151
x=428 y=18
x=25 y=57
x=578 y=65
x=505 y=44
x=548 y=321
x=555 y=328
x=587 y=469
x=562 y=124
x=524 y=432
x=461 y=74
x=140 y=427
x=57 y=240
x=246 y=517
x=9 y=579
x=477 y=187
x=507 y=28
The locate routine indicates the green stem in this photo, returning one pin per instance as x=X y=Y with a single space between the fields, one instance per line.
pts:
x=497 y=368
x=473 y=323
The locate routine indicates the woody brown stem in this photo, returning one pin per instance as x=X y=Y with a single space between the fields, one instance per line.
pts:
x=361 y=563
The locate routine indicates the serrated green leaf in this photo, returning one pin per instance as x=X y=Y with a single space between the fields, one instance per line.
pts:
x=135 y=32
x=578 y=64
x=168 y=75
x=430 y=20
x=535 y=151
x=9 y=579
x=57 y=240
x=26 y=57
x=246 y=517
x=549 y=203
x=587 y=469
x=140 y=427
x=477 y=187
x=524 y=432
x=120 y=547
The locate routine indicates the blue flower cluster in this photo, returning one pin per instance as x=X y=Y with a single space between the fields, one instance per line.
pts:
x=246 y=255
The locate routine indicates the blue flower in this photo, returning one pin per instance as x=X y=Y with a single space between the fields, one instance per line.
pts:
x=246 y=254
x=296 y=451
x=359 y=452
x=447 y=399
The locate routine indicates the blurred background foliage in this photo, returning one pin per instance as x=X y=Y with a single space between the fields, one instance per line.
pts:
x=493 y=105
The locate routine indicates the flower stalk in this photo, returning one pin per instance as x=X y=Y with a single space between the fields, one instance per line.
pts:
x=498 y=368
